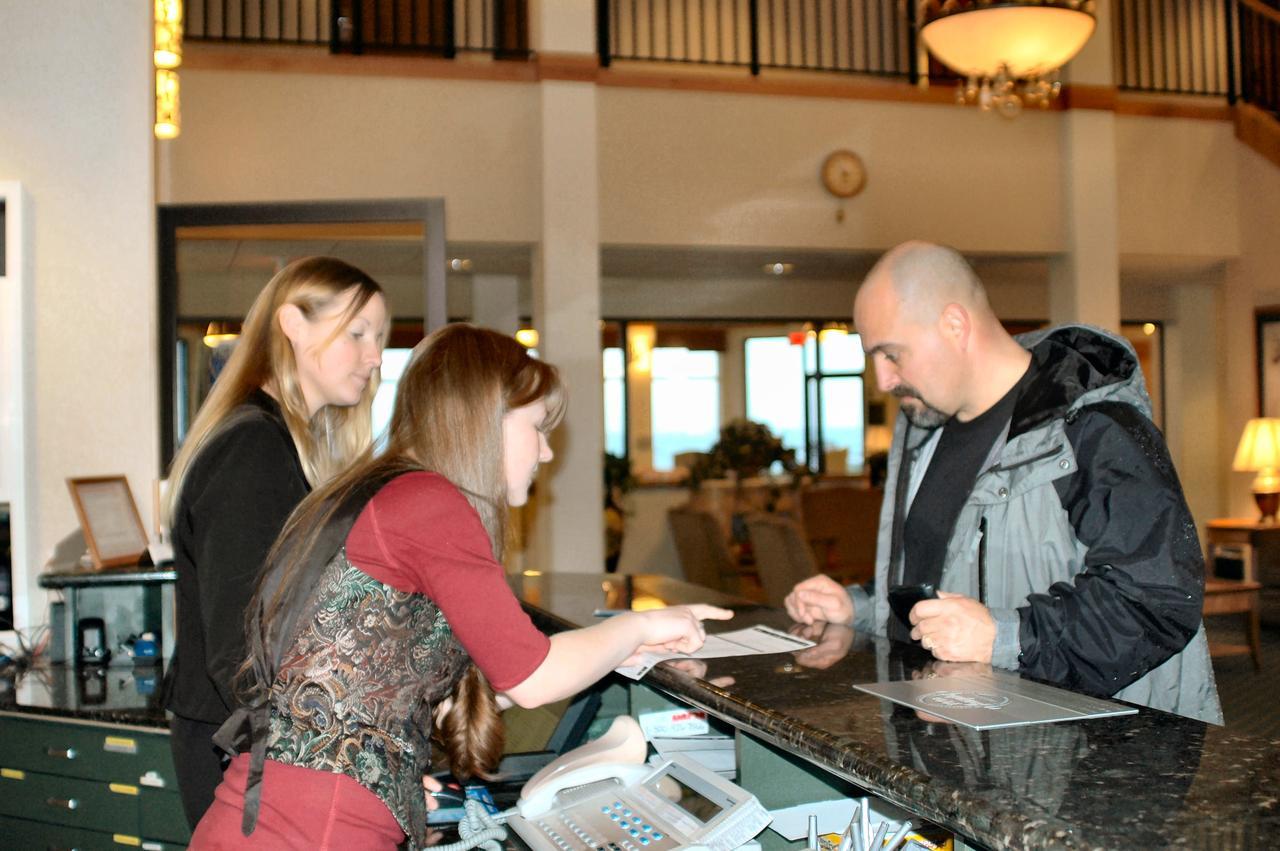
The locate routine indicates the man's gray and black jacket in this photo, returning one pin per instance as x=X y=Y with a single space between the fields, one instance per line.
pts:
x=1090 y=562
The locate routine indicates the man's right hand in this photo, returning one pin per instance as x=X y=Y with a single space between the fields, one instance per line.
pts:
x=820 y=598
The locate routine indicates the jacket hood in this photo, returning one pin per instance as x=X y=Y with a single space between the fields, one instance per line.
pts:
x=1075 y=366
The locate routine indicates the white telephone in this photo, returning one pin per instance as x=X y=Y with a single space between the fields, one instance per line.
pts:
x=603 y=795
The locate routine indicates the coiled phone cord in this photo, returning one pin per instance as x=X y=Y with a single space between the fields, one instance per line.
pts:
x=479 y=829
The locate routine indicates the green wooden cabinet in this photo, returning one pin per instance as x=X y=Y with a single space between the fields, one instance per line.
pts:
x=81 y=784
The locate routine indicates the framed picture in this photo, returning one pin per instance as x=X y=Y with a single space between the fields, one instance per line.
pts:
x=1268 y=348
x=109 y=519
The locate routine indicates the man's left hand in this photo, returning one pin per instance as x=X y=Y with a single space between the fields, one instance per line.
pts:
x=954 y=628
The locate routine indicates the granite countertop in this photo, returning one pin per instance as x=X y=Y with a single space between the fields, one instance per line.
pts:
x=77 y=577
x=1138 y=781
x=124 y=694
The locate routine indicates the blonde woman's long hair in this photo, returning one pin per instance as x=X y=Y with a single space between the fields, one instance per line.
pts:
x=264 y=359
x=450 y=402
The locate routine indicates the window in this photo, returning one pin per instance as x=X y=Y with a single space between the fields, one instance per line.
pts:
x=685 y=403
x=615 y=409
x=775 y=389
x=808 y=388
x=393 y=363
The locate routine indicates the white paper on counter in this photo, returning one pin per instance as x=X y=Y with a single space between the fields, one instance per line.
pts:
x=752 y=641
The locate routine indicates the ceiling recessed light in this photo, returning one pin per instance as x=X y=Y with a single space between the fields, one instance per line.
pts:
x=460 y=264
x=778 y=268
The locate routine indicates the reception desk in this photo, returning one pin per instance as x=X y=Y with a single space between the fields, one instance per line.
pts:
x=1149 y=780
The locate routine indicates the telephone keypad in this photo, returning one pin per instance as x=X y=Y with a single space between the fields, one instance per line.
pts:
x=611 y=824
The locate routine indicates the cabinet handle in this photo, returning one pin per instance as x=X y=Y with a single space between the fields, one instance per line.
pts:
x=61 y=753
x=65 y=803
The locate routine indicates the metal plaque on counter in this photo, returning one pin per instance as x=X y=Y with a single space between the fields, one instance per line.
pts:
x=994 y=700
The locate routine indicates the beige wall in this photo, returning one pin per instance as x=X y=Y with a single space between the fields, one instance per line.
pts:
x=77 y=103
x=299 y=137
x=683 y=168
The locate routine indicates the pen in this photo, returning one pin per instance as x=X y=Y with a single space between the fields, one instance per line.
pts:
x=608 y=613
x=846 y=838
x=899 y=834
x=877 y=842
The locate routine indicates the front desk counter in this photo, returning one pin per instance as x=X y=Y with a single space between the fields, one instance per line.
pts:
x=1150 y=780
x=85 y=762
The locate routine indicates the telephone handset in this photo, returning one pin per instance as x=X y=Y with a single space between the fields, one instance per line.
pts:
x=603 y=795
x=619 y=754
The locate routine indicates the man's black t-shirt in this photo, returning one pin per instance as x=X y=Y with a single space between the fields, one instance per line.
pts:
x=954 y=468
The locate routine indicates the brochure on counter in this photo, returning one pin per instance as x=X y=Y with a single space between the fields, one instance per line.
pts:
x=752 y=641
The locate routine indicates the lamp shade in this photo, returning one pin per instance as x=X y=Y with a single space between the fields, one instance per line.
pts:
x=1030 y=38
x=1259 y=447
x=218 y=333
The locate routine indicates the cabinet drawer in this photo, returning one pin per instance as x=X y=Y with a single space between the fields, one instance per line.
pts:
x=108 y=807
x=85 y=750
x=162 y=817
x=37 y=836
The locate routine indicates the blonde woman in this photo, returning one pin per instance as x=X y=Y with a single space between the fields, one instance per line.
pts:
x=385 y=595
x=289 y=410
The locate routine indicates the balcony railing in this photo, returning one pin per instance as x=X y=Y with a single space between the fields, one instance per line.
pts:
x=431 y=27
x=862 y=36
x=1201 y=47
x=1172 y=46
x=1258 y=37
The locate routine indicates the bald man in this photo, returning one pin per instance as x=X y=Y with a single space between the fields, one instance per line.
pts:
x=1028 y=484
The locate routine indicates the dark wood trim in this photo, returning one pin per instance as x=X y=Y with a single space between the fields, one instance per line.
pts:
x=1088 y=97
x=1259 y=130
x=575 y=67
x=318 y=60
x=1201 y=108
x=426 y=213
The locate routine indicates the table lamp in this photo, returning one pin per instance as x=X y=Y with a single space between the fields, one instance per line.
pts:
x=1259 y=451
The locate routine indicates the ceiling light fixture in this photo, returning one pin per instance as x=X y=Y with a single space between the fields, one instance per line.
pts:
x=1008 y=51
x=778 y=268
x=460 y=264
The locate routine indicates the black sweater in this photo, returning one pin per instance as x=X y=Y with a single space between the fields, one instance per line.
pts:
x=237 y=495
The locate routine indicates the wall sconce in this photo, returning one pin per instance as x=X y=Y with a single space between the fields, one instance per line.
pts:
x=527 y=337
x=1259 y=451
x=168 y=46
x=167 y=55
x=640 y=339
x=168 y=119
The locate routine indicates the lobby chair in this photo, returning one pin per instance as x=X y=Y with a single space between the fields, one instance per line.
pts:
x=703 y=550
x=842 y=524
x=836 y=462
x=783 y=558
x=686 y=460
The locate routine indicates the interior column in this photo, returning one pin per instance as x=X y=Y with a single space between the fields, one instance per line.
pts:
x=568 y=525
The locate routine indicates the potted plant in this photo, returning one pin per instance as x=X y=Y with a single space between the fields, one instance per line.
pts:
x=745 y=449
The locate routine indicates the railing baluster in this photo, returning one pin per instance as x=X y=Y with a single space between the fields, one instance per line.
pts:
x=1230 y=50
x=753 y=21
x=866 y=35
